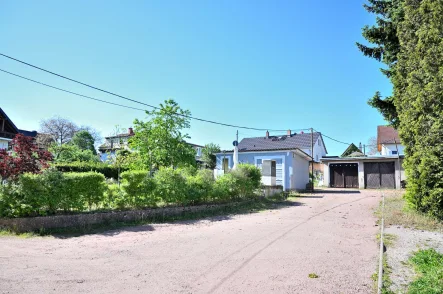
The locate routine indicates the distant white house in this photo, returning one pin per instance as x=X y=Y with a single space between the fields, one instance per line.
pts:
x=388 y=141
x=290 y=154
x=121 y=142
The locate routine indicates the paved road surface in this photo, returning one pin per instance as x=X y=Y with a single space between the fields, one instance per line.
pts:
x=329 y=234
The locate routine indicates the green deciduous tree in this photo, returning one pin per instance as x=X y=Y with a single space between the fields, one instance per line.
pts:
x=160 y=141
x=84 y=140
x=208 y=155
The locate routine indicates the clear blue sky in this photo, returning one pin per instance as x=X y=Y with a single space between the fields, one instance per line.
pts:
x=265 y=64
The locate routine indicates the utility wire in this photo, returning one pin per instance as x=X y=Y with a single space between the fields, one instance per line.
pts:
x=332 y=138
x=70 y=92
x=129 y=99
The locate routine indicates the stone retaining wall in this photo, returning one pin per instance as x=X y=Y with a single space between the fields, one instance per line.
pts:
x=30 y=224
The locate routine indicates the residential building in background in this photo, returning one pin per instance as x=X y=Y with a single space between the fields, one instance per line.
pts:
x=8 y=130
x=121 y=142
x=291 y=153
x=388 y=141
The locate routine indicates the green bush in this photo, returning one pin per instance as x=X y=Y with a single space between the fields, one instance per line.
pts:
x=139 y=189
x=225 y=187
x=113 y=197
x=85 y=188
x=200 y=186
x=50 y=192
x=109 y=171
x=248 y=179
x=171 y=186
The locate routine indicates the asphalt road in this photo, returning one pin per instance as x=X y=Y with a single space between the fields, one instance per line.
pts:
x=331 y=235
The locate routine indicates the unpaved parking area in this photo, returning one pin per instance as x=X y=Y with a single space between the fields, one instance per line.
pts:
x=329 y=234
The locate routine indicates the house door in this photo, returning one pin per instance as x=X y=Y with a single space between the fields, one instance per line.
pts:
x=225 y=165
x=380 y=175
x=343 y=175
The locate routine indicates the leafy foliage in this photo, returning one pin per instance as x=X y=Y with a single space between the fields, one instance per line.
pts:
x=171 y=185
x=26 y=158
x=139 y=188
x=84 y=141
x=161 y=141
x=208 y=155
x=109 y=171
x=49 y=192
x=68 y=153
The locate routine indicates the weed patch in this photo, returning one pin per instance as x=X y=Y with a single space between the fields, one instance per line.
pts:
x=428 y=265
x=397 y=212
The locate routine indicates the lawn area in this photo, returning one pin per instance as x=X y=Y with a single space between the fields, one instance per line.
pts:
x=397 y=213
x=428 y=265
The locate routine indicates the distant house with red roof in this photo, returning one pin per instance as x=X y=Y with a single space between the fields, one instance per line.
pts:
x=388 y=141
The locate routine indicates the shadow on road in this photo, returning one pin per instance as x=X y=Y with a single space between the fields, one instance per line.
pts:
x=225 y=214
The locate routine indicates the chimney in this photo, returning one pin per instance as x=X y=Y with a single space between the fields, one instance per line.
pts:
x=360 y=147
x=267 y=134
x=131 y=131
x=288 y=133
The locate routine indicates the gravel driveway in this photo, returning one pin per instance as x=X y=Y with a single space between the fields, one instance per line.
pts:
x=331 y=234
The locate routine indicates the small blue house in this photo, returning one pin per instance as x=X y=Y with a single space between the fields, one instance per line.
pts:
x=291 y=153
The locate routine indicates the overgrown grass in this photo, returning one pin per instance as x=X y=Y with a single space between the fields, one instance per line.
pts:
x=7 y=233
x=428 y=265
x=244 y=207
x=388 y=239
x=397 y=212
x=386 y=278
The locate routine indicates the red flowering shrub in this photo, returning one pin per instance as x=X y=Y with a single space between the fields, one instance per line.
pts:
x=25 y=158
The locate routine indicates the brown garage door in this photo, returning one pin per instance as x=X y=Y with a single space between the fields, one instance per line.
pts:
x=343 y=175
x=380 y=175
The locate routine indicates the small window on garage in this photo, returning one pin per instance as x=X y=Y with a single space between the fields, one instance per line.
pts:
x=394 y=153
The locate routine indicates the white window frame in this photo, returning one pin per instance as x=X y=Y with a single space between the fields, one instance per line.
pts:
x=273 y=157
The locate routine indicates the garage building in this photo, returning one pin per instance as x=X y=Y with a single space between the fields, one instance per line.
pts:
x=367 y=172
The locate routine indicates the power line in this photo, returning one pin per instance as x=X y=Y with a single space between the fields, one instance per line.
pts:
x=332 y=138
x=129 y=99
x=70 y=92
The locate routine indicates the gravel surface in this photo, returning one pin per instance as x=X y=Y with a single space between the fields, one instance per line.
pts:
x=331 y=234
x=407 y=242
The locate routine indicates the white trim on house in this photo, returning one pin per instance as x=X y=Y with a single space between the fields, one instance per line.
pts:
x=271 y=157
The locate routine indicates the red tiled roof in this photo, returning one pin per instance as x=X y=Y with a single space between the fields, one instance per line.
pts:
x=386 y=135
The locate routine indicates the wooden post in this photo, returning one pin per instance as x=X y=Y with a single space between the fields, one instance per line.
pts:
x=3 y=125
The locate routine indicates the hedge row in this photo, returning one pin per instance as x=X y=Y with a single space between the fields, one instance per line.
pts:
x=50 y=192
x=53 y=191
x=109 y=171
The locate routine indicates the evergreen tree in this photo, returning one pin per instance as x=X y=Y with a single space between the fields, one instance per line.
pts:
x=386 y=47
x=418 y=92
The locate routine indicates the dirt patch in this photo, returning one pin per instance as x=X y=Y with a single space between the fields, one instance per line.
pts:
x=408 y=241
x=331 y=234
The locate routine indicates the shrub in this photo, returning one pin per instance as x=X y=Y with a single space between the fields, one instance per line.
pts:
x=85 y=188
x=200 y=186
x=109 y=171
x=248 y=179
x=171 y=185
x=138 y=188
x=47 y=193
x=113 y=197
x=225 y=187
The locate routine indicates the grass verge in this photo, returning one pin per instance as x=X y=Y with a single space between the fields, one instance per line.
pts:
x=219 y=213
x=428 y=264
x=386 y=278
x=397 y=212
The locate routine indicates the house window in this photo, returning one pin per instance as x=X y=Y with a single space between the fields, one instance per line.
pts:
x=394 y=152
x=225 y=165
